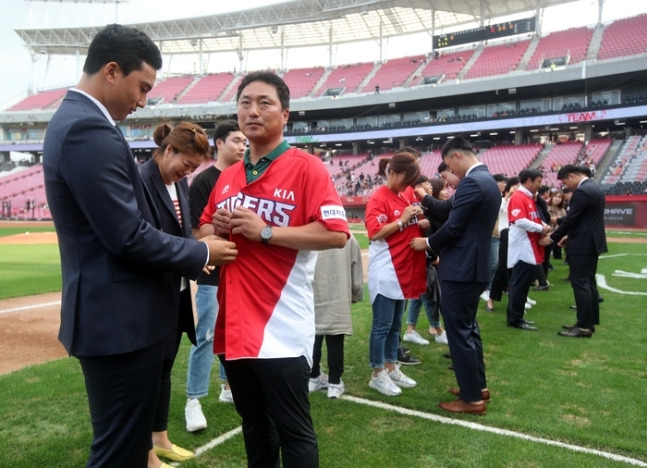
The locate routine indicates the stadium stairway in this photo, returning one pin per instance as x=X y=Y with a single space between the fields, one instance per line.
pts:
x=475 y=56
x=607 y=160
x=541 y=156
x=314 y=92
x=534 y=42
x=596 y=41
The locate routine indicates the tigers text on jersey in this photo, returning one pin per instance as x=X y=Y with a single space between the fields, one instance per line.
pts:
x=394 y=269
x=265 y=295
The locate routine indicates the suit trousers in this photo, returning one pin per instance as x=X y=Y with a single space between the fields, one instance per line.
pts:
x=460 y=302
x=271 y=395
x=522 y=274
x=123 y=391
x=585 y=289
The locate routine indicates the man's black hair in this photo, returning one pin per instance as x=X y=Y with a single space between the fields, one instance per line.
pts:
x=456 y=143
x=130 y=48
x=223 y=129
x=269 y=78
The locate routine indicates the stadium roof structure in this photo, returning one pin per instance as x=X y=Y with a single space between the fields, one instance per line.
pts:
x=297 y=23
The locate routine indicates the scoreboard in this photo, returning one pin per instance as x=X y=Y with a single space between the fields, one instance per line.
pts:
x=485 y=33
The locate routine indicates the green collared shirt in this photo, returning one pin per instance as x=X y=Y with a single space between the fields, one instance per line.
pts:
x=253 y=172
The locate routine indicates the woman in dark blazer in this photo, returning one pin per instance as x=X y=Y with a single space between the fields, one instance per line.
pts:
x=181 y=150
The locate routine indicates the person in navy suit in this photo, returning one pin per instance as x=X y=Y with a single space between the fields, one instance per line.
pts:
x=463 y=245
x=583 y=229
x=117 y=265
x=181 y=150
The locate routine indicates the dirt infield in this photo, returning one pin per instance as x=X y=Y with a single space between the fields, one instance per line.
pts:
x=28 y=331
x=29 y=325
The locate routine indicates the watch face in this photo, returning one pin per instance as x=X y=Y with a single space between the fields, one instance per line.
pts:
x=266 y=233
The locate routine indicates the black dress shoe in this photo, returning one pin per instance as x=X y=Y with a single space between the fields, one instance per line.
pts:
x=576 y=332
x=570 y=327
x=407 y=360
x=542 y=287
x=447 y=355
x=524 y=326
x=529 y=322
x=574 y=307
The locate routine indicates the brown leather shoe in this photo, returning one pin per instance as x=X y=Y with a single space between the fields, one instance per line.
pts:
x=460 y=406
x=485 y=394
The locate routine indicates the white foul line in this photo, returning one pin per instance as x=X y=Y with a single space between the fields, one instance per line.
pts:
x=494 y=430
x=34 y=306
x=444 y=420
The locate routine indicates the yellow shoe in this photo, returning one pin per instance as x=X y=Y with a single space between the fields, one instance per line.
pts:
x=175 y=454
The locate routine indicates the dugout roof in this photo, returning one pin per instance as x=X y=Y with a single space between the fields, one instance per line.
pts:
x=297 y=23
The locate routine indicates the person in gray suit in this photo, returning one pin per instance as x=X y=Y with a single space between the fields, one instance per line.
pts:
x=463 y=245
x=583 y=229
x=117 y=265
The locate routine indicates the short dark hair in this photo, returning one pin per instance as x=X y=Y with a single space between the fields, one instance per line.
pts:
x=269 y=78
x=456 y=143
x=223 y=129
x=421 y=179
x=529 y=174
x=128 y=47
x=500 y=177
x=442 y=167
x=512 y=181
x=437 y=185
x=543 y=189
x=567 y=170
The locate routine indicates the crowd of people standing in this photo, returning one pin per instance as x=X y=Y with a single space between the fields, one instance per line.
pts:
x=132 y=237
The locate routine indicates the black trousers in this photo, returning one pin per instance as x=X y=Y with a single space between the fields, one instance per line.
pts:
x=585 y=289
x=271 y=395
x=459 y=305
x=122 y=392
x=171 y=346
x=335 y=348
x=522 y=274
x=502 y=274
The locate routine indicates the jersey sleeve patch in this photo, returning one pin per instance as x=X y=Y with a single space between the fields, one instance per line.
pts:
x=333 y=212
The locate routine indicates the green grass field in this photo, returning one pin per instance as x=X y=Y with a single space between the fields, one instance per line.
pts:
x=555 y=395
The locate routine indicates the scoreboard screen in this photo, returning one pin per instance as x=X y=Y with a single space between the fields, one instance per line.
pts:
x=485 y=33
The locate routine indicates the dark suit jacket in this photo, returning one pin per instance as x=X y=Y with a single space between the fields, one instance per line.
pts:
x=584 y=221
x=114 y=258
x=463 y=242
x=170 y=224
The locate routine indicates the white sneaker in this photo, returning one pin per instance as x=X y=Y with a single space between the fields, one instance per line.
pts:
x=485 y=295
x=383 y=384
x=195 y=419
x=400 y=379
x=225 y=395
x=318 y=383
x=527 y=306
x=414 y=337
x=335 y=390
x=442 y=338
x=531 y=301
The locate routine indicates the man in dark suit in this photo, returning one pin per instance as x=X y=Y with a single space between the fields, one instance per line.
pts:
x=583 y=226
x=114 y=259
x=463 y=245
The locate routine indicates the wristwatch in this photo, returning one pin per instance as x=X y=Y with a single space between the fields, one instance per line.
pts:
x=266 y=234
